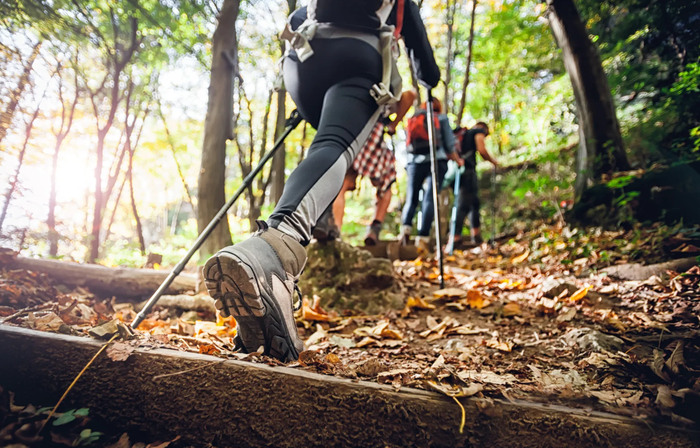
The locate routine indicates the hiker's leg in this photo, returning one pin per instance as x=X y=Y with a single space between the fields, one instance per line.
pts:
x=428 y=208
x=349 y=114
x=463 y=204
x=474 y=216
x=380 y=209
x=416 y=175
x=339 y=203
x=382 y=205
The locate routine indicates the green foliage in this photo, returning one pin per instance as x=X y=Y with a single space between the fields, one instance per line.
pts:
x=649 y=50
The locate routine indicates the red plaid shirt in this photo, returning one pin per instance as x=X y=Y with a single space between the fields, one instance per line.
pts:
x=376 y=162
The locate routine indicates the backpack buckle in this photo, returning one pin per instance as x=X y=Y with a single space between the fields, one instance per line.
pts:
x=381 y=94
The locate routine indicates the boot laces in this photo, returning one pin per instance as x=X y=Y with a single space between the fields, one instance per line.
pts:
x=299 y=297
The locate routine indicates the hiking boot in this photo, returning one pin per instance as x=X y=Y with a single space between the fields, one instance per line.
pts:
x=326 y=230
x=372 y=237
x=477 y=240
x=255 y=281
x=423 y=244
x=405 y=238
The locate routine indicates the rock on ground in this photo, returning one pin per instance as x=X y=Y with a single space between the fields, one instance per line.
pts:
x=347 y=277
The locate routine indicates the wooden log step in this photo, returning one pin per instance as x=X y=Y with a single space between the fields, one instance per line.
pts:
x=239 y=404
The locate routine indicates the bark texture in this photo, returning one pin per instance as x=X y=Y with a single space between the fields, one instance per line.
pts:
x=601 y=149
x=212 y=402
x=218 y=129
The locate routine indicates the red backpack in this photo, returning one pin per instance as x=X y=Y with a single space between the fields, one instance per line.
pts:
x=417 y=131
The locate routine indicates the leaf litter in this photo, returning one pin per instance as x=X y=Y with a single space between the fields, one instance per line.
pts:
x=532 y=318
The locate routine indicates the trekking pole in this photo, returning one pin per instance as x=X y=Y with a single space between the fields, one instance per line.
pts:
x=493 y=207
x=453 y=221
x=433 y=170
x=292 y=122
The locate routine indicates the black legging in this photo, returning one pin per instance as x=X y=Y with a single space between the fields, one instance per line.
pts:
x=332 y=92
x=468 y=202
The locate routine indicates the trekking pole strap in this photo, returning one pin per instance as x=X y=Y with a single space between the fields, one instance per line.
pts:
x=292 y=122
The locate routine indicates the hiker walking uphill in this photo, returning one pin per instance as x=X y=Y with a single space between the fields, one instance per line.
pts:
x=339 y=73
x=470 y=141
x=418 y=170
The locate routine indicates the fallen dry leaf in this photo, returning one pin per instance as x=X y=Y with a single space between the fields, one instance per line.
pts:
x=520 y=258
x=498 y=344
x=314 y=313
x=676 y=360
x=120 y=351
x=475 y=300
x=511 y=309
x=450 y=293
x=580 y=294
x=664 y=398
x=456 y=391
x=657 y=365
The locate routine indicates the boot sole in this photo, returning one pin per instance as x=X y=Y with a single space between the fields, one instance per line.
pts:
x=234 y=285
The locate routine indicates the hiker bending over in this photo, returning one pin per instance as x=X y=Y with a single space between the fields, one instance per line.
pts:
x=471 y=141
x=376 y=162
x=419 y=170
x=336 y=75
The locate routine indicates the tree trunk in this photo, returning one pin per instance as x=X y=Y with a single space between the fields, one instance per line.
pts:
x=108 y=229
x=15 y=179
x=139 y=227
x=51 y=219
x=97 y=210
x=171 y=143
x=211 y=195
x=120 y=282
x=601 y=149
x=465 y=84
x=451 y=9
x=61 y=134
x=279 y=161
x=16 y=95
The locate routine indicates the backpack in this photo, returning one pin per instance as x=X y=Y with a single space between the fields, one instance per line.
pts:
x=364 y=14
x=344 y=18
x=459 y=133
x=417 y=141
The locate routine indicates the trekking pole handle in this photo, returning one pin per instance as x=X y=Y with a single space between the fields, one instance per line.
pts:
x=291 y=123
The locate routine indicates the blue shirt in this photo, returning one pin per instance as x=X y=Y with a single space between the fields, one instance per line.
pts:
x=446 y=143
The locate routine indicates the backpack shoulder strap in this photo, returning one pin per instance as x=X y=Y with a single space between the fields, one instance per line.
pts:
x=399 y=18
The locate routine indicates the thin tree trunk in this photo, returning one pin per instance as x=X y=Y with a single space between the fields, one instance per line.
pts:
x=108 y=229
x=15 y=179
x=465 y=83
x=171 y=143
x=9 y=112
x=61 y=134
x=451 y=10
x=601 y=149
x=139 y=227
x=119 y=64
x=263 y=148
x=218 y=129
x=280 y=160
x=302 y=147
